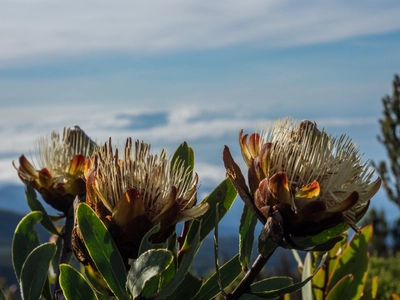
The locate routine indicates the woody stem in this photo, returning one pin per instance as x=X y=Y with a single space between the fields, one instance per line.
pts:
x=66 y=251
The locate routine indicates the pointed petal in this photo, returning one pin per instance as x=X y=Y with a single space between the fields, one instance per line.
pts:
x=243 y=147
x=90 y=188
x=168 y=217
x=76 y=166
x=45 y=178
x=373 y=189
x=361 y=211
x=26 y=168
x=170 y=202
x=254 y=144
x=306 y=194
x=194 y=212
x=265 y=157
x=262 y=195
x=255 y=174
x=129 y=206
x=310 y=191
x=279 y=187
x=346 y=204
x=238 y=181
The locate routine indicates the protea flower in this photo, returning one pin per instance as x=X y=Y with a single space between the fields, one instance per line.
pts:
x=61 y=163
x=138 y=190
x=316 y=181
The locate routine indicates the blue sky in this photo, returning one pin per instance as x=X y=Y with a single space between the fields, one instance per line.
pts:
x=172 y=71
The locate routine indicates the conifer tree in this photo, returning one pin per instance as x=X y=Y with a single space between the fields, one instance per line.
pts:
x=390 y=138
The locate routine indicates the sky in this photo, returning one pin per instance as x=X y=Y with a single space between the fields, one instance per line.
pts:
x=172 y=71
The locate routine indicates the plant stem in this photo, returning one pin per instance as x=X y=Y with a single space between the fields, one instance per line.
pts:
x=250 y=276
x=65 y=252
x=181 y=239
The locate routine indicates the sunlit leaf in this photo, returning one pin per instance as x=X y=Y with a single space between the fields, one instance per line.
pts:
x=354 y=260
x=341 y=289
x=35 y=205
x=74 y=284
x=102 y=250
x=306 y=290
x=192 y=245
x=25 y=240
x=150 y=272
x=35 y=269
x=223 y=196
x=185 y=154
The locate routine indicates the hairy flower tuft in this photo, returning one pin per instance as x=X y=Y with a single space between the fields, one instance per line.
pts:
x=59 y=168
x=313 y=179
x=134 y=190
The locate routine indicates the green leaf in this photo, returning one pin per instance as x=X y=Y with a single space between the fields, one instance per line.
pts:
x=146 y=245
x=248 y=223
x=74 y=284
x=192 y=246
x=354 y=260
x=46 y=291
x=102 y=250
x=223 y=195
x=25 y=240
x=269 y=284
x=150 y=272
x=185 y=154
x=325 y=238
x=35 y=205
x=35 y=269
x=288 y=289
x=56 y=260
x=187 y=289
x=340 y=290
x=228 y=273
x=306 y=290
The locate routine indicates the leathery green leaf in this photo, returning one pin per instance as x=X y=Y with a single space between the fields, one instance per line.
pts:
x=150 y=272
x=340 y=290
x=354 y=260
x=268 y=284
x=35 y=205
x=222 y=196
x=74 y=284
x=146 y=245
x=248 y=223
x=306 y=290
x=185 y=154
x=283 y=290
x=192 y=245
x=102 y=250
x=187 y=289
x=35 y=269
x=228 y=273
x=25 y=240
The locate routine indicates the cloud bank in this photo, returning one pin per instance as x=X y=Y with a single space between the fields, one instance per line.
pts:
x=35 y=30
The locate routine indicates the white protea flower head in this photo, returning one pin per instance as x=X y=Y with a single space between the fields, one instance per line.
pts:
x=314 y=179
x=133 y=190
x=60 y=162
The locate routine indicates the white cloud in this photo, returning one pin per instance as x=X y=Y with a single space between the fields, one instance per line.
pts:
x=39 y=29
x=19 y=129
